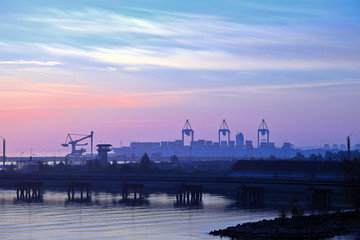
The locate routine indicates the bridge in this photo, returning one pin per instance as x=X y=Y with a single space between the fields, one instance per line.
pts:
x=239 y=180
x=224 y=180
x=249 y=191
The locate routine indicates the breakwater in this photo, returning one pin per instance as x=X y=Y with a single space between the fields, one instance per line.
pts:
x=299 y=227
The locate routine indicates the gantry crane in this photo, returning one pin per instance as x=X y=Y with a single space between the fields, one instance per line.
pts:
x=224 y=129
x=263 y=130
x=77 y=153
x=187 y=130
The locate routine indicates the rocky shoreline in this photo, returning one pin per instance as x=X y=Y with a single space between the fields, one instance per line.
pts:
x=299 y=227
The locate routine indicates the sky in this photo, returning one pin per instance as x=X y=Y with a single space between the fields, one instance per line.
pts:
x=135 y=70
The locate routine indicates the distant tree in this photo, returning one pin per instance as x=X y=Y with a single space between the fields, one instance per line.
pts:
x=174 y=159
x=329 y=156
x=90 y=165
x=272 y=157
x=114 y=163
x=145 y=162
x=41 y=166
x=11 y=167
x=313 y=157
x=295 y=209
x=126 y=168
x=299 y=156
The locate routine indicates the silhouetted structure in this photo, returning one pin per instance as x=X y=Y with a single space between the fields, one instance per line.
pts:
x=240 y=141
x=4 y=148
x=28 y=191
x=77 y=153
x=348 y=146
x=137 y=189
x=250 y=196
x=189 y=194
x=321 y=198
x=81 y=187
x=188 y=131
x=103 y=150
x=263 y=130
x=224 y=130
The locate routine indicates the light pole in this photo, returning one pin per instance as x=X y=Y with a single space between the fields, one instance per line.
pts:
x=31 y=149
x=4 y=147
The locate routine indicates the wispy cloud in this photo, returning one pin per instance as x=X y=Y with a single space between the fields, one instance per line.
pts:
x=241 y=90
x=27 y=62
x=44 y=69
x=131 y=69
x=201 y=59
x=195 y=41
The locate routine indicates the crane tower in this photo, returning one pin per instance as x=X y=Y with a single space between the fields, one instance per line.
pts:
x=263 y=130
x=77 y=153
x=224 y=130
x=187 y=130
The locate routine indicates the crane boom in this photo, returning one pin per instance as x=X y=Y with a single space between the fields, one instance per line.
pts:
x=75 y=152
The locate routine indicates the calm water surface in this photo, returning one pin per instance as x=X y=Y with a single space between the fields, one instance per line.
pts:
x=107 y=217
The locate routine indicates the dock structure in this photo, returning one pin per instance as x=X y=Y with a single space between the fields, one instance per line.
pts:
x=137 y=190
x=82 y=188
x=187 y=193
x=250 y=196
x=28 y=190
x=321 y=198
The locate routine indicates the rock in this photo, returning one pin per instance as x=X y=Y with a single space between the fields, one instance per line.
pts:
x=300 y=227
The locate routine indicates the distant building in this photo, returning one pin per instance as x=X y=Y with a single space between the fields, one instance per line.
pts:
x=248 y=145
x=240 y=141
x=267 y=145
x=287 y=145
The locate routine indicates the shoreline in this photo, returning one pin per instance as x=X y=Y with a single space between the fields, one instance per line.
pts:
x=300 y=227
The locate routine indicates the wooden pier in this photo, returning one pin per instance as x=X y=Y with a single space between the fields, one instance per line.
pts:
x=28 y=191
x=321 y=198
x=250 y=196
x=137 y=190
x=82 y=187
x=189 y=194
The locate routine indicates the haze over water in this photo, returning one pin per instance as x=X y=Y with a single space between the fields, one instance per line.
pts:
x=106 y=218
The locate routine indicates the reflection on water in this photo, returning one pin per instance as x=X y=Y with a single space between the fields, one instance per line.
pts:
x=110 y=216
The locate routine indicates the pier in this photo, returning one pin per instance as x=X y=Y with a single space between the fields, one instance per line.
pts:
x=321 y=198
x=137 y=190
x=81 y=187
x=250 y=196
x=28 y=191
x=187 y=193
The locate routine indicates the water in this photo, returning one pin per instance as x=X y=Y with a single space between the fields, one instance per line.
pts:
x=107 y=217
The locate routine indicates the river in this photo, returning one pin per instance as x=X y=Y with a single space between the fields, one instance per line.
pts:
x=106 y=216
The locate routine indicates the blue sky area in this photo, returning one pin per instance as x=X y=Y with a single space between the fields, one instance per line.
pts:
x=136 y=70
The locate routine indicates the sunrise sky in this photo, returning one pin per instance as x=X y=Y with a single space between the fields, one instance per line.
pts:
x=136 y=70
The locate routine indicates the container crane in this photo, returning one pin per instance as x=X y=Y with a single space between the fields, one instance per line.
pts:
x=224 y=130
x=188 y=131
x=77 y=153
x=263 y=130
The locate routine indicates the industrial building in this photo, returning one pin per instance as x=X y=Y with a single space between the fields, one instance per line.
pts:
x=201 y=149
